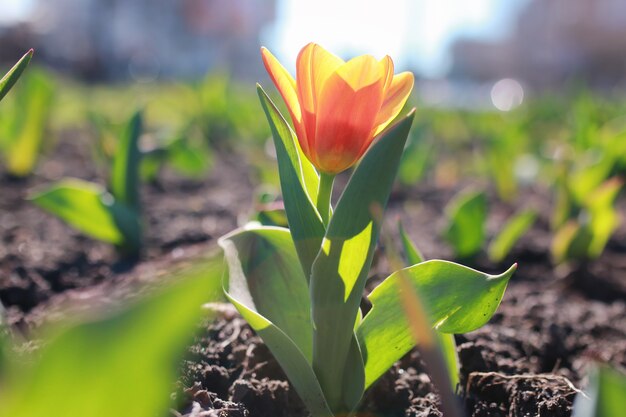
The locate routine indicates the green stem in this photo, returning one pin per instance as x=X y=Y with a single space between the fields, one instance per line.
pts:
x=323 y=196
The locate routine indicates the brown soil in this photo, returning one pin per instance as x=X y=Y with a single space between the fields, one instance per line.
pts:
x=40 y=256
x=528 y=361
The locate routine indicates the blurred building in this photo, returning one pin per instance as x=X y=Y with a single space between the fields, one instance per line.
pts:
x=115 y=39
x=553 y=41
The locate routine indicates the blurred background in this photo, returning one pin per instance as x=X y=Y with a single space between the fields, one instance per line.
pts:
x=459 y=49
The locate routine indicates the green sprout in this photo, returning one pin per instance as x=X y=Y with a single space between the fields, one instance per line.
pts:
x=113 y=215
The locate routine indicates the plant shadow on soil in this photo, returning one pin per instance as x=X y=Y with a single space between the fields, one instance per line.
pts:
x=528 y=360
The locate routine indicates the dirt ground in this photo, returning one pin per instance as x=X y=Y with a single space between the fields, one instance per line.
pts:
x=530 y=359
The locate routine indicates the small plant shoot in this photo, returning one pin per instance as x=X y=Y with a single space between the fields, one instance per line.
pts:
x=111 y=215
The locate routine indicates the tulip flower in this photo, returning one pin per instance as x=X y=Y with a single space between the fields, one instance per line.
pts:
x=301 y=287
x=338 y=107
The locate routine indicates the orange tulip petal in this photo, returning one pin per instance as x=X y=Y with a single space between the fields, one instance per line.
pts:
x=313 y=66
x=395 y=98
x=284 y=82
x=346 y=114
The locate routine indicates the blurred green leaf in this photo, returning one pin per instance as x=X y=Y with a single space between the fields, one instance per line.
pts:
x=510 y=233
x=192 y=161
x=125 y=170
x=571 y=242
x=122 y=365
x=606 y=395
x=447 y=344
x=417 y=157
x=28 y=131
x=466 y=214
x=604 y=218
x=458 y=299
x=412 y=253
x=11 y=77
x=585 y=237
x=84 y=205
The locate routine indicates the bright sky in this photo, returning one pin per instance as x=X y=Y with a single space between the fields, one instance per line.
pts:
x=412 y=32
x=14 y=9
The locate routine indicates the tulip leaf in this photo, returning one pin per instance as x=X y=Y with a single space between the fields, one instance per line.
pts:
x=447 y=344
x=467 y=214
x=586 y=238
x=11 y=77
x=411 y=252
x=33 y=102
x=84 y=205
x=267 y=286
x=299 y=183
x=125 y=171
x=604 y=218
x=123 y=364
x=571 y=241
x=458 y=299
x=504 y=241
x=342 y=265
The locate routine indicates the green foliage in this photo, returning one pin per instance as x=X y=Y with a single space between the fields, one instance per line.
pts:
x=411 y=252
x=121 y=364
x=114 y=216
x=25 y=122
x=185 y=152
x=341 y=268
x=125 y=172
x=300 y=288
x=606 y=394
x=511 y=232
x=417 y=157
x=84 y=205
x=584 y=237
x=11 y=77
x=299 y=183
x=271 y=292
x=458 y=300
x=446 y=342
x=466 y=214
x=220 y=110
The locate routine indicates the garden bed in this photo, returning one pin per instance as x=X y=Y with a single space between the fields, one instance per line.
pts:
x=529 y=360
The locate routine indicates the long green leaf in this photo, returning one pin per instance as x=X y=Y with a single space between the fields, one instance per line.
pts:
x=84 y=205
x=299 y=183
x=122 y=365
x=125 y=171
x=342 y=266
x=34 y=103
x=447 y=344
x=604 y=217
x=411 y=252
x=14 y=74
x=502 y=244
x=267 y=286
x=459 y=300
x=467 y=214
